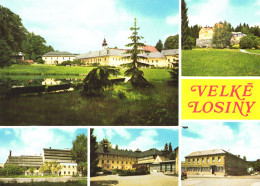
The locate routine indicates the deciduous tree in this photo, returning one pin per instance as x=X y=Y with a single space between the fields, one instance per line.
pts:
x=80 y=152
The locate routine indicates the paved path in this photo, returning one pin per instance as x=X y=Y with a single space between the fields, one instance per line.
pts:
x=225 y=181
x=249 y=52
x=156 y=179
x=50 y=179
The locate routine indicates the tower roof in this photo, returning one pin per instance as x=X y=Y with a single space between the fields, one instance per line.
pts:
x=104 y=42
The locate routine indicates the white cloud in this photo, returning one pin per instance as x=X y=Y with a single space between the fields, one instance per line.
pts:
x=76 y=26
x=173 y=20
x=208 y=12
x=144 y=142
x=7 y=132
x=216 y=135
x=123 y=133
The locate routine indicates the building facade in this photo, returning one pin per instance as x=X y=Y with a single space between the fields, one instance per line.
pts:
x=54 y=58
x=217 y=162
x=206 y=35
x=116 y=57
x=61 y=156
x=153 y=159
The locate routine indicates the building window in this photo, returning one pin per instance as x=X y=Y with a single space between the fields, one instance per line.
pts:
x=64 y=166
x=102 y=161
x=117 y=162
x=108 y=167
x=112 y=167
x=219 y=159
x=193 y=160
x=198 y=160
x=188 y=160
x=202 y=160
x=107 y=161
x=213 y=159
x=207 y=160
x=64 y=172
x=69 y=172
x=69 y=166
x=112 y=161
x=168 y=60
x=126 y=162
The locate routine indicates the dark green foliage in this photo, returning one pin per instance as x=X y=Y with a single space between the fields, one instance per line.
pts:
x=159 y=45
x=93 y=154
x=175 y=74
x=12 y=33
x=166 y=148
x=188 y=43
x=170 y=147
x=10 y=170
x=172 y=42
x=185 y=31
x=80 y=153
x=222 y=35
x=34 y=46
x=246 y=42
x=194 y=33
x=75 y=62
x=137 y=78
x=101 y=143
x=172 y=155
x=97 y=80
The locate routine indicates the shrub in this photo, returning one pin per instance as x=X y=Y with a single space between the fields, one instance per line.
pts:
x=246 y=42
x=121 y=95
x=235 y=46
x=11 y=170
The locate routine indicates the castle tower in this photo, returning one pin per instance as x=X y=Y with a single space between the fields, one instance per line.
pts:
x=104 y=44
x=105 y=145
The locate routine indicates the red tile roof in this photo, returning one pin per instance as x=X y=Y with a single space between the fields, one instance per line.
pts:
x=149 y=48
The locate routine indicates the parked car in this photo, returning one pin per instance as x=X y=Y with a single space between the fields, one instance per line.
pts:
x=183 y=175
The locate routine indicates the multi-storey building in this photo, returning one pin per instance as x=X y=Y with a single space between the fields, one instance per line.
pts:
x=54 y=58
x=153 y=159
x=61 y=156
x=206 y=35
x=217 y=161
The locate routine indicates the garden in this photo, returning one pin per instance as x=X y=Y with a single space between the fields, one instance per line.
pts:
x=121 y=104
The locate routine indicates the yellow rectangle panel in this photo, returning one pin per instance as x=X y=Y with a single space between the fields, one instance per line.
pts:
x=227 y=99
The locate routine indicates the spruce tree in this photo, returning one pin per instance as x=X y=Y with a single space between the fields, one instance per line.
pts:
x=137 y=78
x=159 y=45
x=186 y=40
x=93 y=153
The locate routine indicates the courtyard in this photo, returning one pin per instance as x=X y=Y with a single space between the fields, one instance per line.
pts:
x=158 y=179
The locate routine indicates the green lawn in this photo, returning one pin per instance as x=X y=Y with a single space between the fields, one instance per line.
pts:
x=253 y=51
x=69 y=183
x=44 y=70
x=122 y=105
x=219 y=62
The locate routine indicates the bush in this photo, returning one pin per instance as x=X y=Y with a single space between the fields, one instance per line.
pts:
x=235 y=46
x=106 y=172
x=11 y=170
x=133 y=172
x=121 y=95
x=246 y=42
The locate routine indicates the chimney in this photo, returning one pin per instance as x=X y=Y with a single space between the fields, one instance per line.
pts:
x=10 y=153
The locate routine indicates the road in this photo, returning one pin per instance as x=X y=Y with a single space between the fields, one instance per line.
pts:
x=223 y=181
x=156 y=179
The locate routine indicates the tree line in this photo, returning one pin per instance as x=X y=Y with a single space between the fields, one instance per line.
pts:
x=222 y=35
x=15 y=38
x=171 y=42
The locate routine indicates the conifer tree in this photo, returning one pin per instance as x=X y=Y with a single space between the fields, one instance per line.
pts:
x=93 y=153
x=137 y=78
x=159 y=45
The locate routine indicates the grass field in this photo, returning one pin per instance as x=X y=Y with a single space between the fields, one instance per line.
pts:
x=219 y=62
x=69 y=183
x=253 y=51
x=122 y=105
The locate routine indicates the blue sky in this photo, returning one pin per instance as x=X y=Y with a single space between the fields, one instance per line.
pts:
x=144 y=139
x=80 y=26
x=31 y=141
x=240 y=138
x=208 y=12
